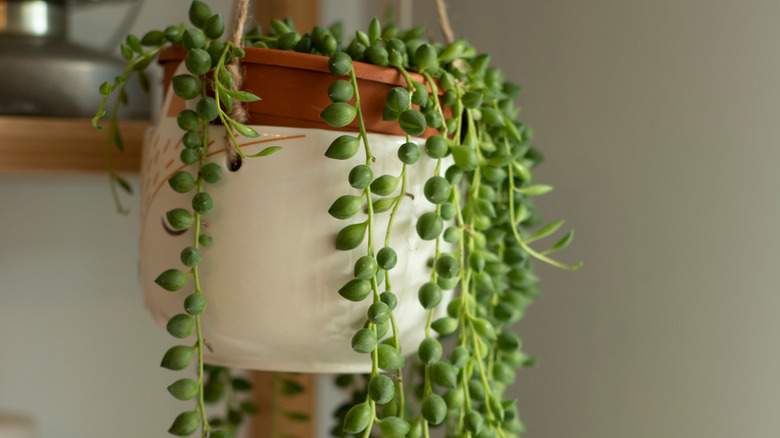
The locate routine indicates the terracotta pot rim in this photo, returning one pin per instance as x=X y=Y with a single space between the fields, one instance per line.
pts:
x=307 y=61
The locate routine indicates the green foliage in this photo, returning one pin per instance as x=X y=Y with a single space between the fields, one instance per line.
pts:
x=181 y=325
x=479 y=216
x=185 y=424
x=178 y=357
x=343 y=147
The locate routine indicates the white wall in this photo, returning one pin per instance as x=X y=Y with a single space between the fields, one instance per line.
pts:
x=79 y=353
x=659 y=123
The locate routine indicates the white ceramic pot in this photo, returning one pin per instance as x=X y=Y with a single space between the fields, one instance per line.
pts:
x=272 y=273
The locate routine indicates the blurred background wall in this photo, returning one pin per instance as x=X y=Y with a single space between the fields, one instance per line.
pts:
x=659 y=123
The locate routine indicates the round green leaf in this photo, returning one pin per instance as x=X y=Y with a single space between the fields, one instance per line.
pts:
x=425 y=57
x=180 y=326
x=436 y=146
x=434 y=409
x=340 y=64
x=472 y=99
x=389 y=358
x=188 y=156
x=412 y=122
x=183 y=389
x=503 y=373
x=181 y=181
x=364 y=341
x=397 y=99
x=193 y=38
x=338 y=114
x=447 y=266
x=172 y=279
x=199 y=12
x=191 y=139
x=509 y=341
x=378 y=313
x=378 y=55
x=484 y=328
x=429 y=351
x=185 y=424
x=187 y=119
x=453 y=175
x=174 y=33
x=444 y=374
x=207 y=109
x=351 y=236
x=454 y=398
x=445 y=325
x=409 y=153
x=365 y=268
x=381 y=389
x=437 y=190
x=358 y=418
x=211 y=172
x=198 y=62
x=448 y=211
x=153 y=38
x=186 y=86
x=360 y=176
x=473 y=421
x=178 y=357
x=386 y=258
x=384 y=185
x=420 y=95
x=429 y=226
x=394 y=427
x=340 y=91
x=191 y=256
x=202 y=203
x=451 y=235
x=433 y=119
x=476 y=390
x=429 y=295
x=214 y=27
x=465 y=157
x=459 y=357
x=195 y=304
x=390 y=299
x=343 y=147
x=346 y=206
x=355 y=290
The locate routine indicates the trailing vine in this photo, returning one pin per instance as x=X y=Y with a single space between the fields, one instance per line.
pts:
x=455 y=110
x=478 y=206
x=206 y=55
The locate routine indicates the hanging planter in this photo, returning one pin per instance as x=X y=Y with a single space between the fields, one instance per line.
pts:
x=389 y=205
x=271 y=270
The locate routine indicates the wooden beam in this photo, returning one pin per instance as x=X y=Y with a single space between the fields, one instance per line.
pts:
x=47 y=144
x=277 y=415
x=304 y=13
x=282 y=415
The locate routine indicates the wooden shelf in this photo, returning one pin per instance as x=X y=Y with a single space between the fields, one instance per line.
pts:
x=45 y=144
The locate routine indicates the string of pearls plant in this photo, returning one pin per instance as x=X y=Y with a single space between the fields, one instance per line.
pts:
x=481 y=206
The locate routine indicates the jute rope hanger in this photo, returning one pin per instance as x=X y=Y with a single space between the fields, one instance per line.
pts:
x=238 y=112
x=444 y=21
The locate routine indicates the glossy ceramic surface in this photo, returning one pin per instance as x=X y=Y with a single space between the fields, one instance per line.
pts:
x=272 y=274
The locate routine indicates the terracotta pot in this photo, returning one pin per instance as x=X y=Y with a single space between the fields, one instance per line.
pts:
x=272 y=274
x=284 y=79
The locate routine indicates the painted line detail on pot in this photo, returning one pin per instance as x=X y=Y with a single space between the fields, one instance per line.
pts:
x=151 y=195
